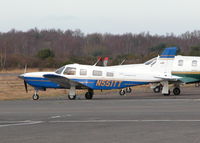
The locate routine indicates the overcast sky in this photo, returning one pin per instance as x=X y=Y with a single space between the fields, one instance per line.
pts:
x=103 y=16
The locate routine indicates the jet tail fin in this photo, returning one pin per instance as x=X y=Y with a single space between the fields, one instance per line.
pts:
x=169 y=52
x=164 y=62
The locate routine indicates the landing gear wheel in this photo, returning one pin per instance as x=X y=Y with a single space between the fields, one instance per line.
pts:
x=157 y=89
x=35 y=97
x=167 y=93
x=122 y=92
x=197 y=84
x=72 y=97
x=128 y=90
x=176 y=91
x=88 y=95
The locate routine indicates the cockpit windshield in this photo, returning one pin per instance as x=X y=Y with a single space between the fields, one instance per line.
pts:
x=151 y=62
x=70 y=71
x=59 y=71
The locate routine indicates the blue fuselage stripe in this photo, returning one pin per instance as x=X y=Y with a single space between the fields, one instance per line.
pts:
x=91 y=83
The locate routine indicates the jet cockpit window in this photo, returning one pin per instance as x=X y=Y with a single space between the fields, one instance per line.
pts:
x=59 y=71
x=97 y=73
x=83 y=72
x=180 y=63
x=152 y=61
x=70 y=71
x=194 y=63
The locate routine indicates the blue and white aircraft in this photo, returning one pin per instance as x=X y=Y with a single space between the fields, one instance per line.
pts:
x=91 y=77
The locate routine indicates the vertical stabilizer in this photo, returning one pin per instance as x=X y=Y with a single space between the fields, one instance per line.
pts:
x=164 y=62
x=163 y=67
x=169 y=52
x=105 y=61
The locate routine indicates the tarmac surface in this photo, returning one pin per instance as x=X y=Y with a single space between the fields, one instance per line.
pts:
x=144 y=118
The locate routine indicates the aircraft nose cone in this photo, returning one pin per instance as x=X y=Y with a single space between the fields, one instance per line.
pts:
x=21 y=76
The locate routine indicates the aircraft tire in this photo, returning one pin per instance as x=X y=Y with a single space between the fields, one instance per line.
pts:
x=128 y=90
x=88 y=95
x=197 y=84
x=35 y=97
x=176 y=91
x=157 y=89
x=122 y=92
x=71 y=97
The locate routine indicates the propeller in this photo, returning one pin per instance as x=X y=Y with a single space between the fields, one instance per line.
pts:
x=25 y=85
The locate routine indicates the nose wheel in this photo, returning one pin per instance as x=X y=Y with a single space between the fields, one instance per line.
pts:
x=35 y=95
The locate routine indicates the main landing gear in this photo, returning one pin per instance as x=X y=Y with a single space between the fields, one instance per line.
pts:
x=197 y=84
x=122 y=92
x=166 y=90
x=89 y=94
x=157 y=89
x=72 y=93
x=176 y=91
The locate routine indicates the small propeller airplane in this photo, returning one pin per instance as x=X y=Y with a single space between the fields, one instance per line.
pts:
x=159 y=72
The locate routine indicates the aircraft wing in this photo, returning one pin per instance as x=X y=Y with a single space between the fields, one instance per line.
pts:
x=169 y=78
x=63 y=81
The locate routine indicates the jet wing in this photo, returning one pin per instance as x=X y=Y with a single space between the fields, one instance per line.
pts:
x=63 y=81
x=169 y=78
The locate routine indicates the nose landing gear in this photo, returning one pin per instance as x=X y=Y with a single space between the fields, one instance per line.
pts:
x=35 y=95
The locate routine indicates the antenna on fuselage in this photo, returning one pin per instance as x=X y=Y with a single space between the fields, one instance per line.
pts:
x=104 y=61
x=123 y=61
x=99 y=59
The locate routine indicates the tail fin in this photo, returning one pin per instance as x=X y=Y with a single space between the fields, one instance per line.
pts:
x=105 y=61
x=169 y=52
x=165 y=61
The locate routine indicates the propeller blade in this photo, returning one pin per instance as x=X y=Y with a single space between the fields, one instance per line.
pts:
x=25 y=85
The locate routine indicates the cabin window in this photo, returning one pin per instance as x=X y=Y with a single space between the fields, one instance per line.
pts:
x=110 y=74
x=70 y=71
x=194 y=63
x=97 y=73
x=83 y=72
x=180 y=63
x=59 y=71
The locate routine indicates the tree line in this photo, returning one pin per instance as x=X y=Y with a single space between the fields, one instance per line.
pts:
x=54 y=48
